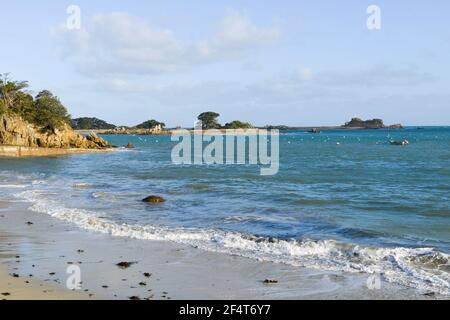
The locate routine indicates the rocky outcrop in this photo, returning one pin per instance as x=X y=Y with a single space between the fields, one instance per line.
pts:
x=14 y=131
x=92 y=137
x=396 y=126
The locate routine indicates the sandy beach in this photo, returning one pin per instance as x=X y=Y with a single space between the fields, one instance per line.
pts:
x=26 y=288
x=41 y=246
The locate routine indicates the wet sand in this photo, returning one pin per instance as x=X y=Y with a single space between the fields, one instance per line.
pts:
x=160 y=270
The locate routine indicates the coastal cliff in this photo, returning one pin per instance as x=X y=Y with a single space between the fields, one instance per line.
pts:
x=38 y=124
x=14 y=131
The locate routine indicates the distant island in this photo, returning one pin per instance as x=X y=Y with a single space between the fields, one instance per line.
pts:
x=353 y=124
x=91 y=124
x=210 y=121
x=152 y=127
x=369 y=124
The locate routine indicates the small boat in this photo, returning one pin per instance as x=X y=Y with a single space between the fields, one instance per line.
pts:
x=399 y=143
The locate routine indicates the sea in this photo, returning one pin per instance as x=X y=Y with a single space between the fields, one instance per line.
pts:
x=342 y=200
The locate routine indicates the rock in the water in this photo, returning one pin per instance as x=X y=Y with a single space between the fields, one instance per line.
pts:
x=97 y=140
x=396 y=126
x=129 y=146
x=399 y=143
x=154 y=199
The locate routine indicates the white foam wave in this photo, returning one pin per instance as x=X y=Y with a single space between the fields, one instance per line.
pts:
x=423 y=268
x=13 y=186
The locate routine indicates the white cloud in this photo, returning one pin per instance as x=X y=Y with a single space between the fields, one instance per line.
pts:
x=377 y=76
x=302 y=97
x=121 y=44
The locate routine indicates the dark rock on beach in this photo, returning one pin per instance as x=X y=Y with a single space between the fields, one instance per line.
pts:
x=125 y=265
x=268 y=281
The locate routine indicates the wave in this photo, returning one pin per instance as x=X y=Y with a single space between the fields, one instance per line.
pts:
x=13 y=186
x=83 y=185
x=422 y=268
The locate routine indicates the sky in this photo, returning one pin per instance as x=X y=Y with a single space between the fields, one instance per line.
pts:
x=296 y=63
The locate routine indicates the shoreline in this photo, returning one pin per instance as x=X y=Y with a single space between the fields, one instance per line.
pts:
x=175 y=271
x=17 y=151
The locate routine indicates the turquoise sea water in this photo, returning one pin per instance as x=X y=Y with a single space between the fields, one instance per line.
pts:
x=342 y=200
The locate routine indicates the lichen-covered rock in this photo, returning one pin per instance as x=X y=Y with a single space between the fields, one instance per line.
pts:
x=14 y=131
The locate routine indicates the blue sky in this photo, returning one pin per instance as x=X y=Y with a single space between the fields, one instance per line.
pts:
x=285 y=62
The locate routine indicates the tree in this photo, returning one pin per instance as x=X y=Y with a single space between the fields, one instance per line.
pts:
x=238 y=125
x=50 y=114
x=24 y=106
x=10 y=91
x=151 y=124
x=209 y=120
x=45 y=111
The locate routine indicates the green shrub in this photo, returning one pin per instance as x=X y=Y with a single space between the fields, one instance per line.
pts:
x=48 y=112
x=238 y=125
